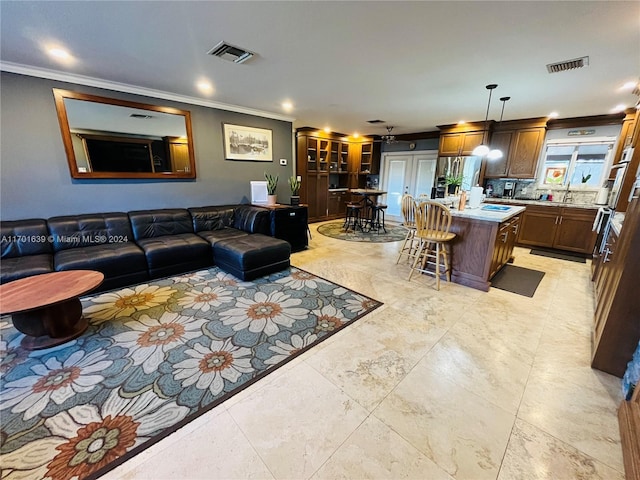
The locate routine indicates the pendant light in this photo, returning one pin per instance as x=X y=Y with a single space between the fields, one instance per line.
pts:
x=496 y=154
x=482 y=149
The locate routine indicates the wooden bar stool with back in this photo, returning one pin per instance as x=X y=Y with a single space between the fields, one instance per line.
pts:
x=433 y=221
x=409 y=245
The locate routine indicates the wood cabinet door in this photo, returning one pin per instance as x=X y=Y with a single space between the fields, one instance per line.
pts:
x=499 y=167
x=538 y=226
x=322 y=195
x=574 y=231
x=470 y=141
x=523 y=157
x=334 y=204
x=450 y=144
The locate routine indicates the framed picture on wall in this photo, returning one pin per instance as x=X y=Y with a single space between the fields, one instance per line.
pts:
x=247 y=143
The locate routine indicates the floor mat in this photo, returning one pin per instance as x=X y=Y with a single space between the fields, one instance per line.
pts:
x=522 y=281
x=561 y=256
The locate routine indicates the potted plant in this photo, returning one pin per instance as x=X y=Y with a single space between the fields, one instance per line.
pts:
x=272 y=185
x=454 y=182
x=294 y=183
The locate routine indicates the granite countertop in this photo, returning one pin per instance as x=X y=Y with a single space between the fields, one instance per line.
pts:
x=488 y=215
x=616 y=222
x=516 y=201
x=338 y=189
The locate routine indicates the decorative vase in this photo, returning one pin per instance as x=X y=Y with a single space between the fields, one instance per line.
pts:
x=295 y=199
x=271 y=199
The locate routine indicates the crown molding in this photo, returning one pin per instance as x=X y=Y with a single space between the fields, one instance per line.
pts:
x=126 y=88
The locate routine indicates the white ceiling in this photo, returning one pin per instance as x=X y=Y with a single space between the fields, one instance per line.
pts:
x=414 y=65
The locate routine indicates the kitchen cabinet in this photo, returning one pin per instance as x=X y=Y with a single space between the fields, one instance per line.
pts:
x=456 y=144
x=520 y=142
x=616 y=329
x=563 y=228
x=330 y=161
x=337 y=203
x=460 y=139
x=504 y=244
x=481 y=247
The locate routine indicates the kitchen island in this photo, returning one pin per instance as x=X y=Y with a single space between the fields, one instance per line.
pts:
x=484 y=243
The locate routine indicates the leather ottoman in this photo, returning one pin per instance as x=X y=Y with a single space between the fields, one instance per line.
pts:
x=252 y=256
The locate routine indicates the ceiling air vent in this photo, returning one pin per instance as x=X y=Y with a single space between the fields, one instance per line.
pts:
x=230 y=52
x=375 y=121
x=568 y=65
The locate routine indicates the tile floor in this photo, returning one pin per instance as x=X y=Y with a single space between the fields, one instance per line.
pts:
x=433 y=385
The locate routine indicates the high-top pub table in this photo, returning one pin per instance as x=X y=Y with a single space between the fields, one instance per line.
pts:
x=47 y=308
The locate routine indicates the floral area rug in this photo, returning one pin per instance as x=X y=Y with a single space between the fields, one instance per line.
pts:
x=155 y=357
x=394 y=233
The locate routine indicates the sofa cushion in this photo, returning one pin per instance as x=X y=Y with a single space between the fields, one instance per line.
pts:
x=252 y=256
x=158 y=223
x=215 y=236
x=20 y=267
x=74 y=231
x=169 y=250
x=25 y=249
x=252 y=219
x=112 y=259
x=212 y=218
x=24 y=237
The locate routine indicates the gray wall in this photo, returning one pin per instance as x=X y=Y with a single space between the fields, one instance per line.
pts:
x=34 y=175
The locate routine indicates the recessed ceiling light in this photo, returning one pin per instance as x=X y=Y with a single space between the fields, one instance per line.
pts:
x=629 y=86
x=553 y=115
x=461 y=122
x=327 y=129
x=59 y=53
x=356 y=134
x=287 y=106
x=619 y=108
x=204 y=86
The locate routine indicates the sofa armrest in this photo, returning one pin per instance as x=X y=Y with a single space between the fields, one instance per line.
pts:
x=252 y=219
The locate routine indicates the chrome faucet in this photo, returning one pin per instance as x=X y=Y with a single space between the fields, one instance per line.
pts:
x=567 y=194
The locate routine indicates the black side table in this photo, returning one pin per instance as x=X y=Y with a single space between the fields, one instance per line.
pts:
x=289 y=222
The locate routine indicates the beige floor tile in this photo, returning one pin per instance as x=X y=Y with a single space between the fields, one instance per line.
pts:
x=380 y=354
x=461 y=432
x=216 y=449
x=493 y=374
x=577 y=412
x=374 y=451
x=535 y=455
x=297 y=422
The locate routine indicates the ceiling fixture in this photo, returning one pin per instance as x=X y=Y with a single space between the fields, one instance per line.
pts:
x=568 y=65
x=482 y=149
x=496 y=154
x=230 y=52
x=388 y=138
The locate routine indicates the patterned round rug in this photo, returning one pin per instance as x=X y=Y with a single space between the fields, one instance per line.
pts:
x=394 y=233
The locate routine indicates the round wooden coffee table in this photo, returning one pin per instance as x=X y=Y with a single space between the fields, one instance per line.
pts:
x=46 y=307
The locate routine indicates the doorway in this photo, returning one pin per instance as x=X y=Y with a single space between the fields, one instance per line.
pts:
x=412 y=173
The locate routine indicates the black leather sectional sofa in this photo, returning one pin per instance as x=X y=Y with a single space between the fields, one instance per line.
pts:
x=140 y=245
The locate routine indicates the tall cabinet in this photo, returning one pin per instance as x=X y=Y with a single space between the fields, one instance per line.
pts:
x=331 y=164
x=520 y=142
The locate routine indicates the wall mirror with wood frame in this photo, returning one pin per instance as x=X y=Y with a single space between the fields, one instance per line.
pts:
x=110 y=138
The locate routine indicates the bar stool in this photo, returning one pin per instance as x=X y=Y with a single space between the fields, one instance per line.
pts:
x=378 y=217
x=433 y=221
x=408 y=209
x=353 y=217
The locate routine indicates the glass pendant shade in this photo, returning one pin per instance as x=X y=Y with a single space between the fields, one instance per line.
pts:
x=480 y=151
x=494 y=154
